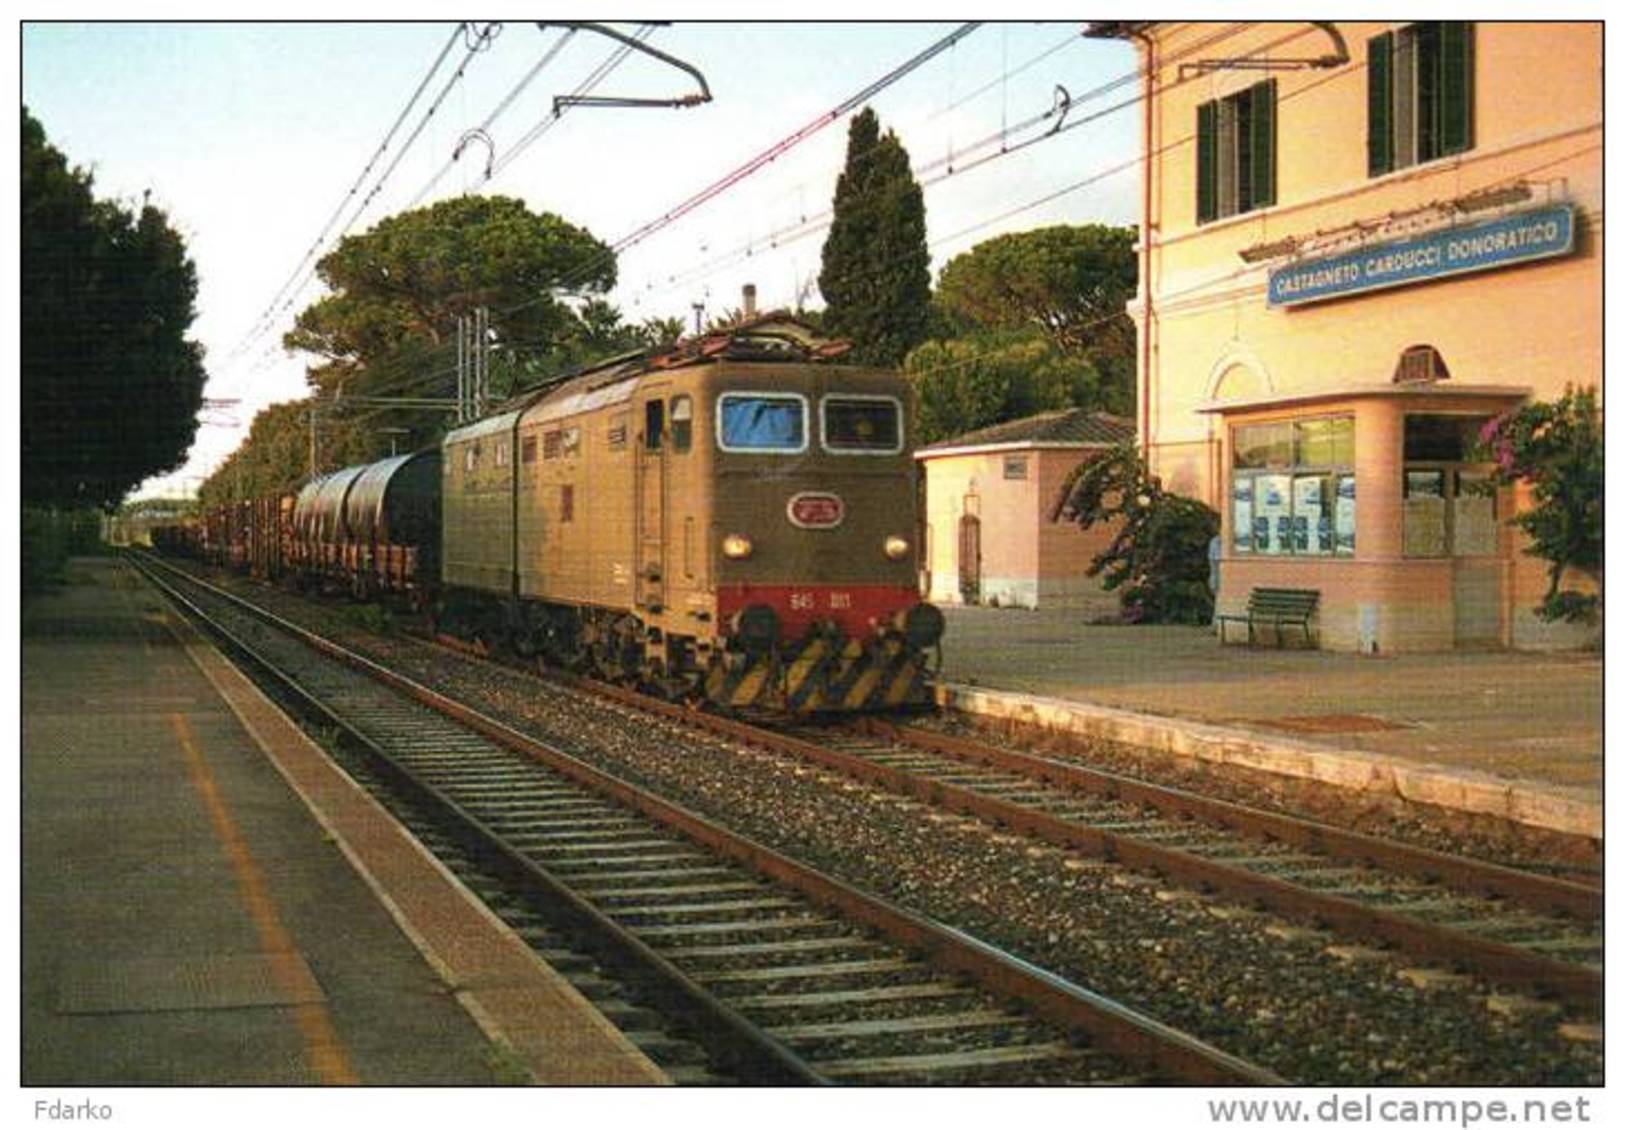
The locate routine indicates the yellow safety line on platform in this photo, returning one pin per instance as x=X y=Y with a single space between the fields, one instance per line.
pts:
x=324 y=1048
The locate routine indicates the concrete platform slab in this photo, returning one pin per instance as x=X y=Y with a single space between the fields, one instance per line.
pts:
x=1515 y=735
x=185 y=920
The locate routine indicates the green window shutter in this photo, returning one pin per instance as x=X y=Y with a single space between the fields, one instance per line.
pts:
x=1380 y=104
x=1263 y=143
x=1455 y=86
x=1207 y=162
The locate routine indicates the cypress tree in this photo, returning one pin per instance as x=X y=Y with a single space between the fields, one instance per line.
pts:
x=876 y=276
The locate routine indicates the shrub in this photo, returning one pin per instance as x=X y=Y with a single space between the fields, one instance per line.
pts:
x=1158 y=557
x=1556 y=447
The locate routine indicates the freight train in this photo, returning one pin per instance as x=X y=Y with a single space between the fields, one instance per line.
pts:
x=734 y=520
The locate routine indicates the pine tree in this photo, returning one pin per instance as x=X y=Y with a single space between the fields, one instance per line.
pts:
x=110 y=383
x=876 y=275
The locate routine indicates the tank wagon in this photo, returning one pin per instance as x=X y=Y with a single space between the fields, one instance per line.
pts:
x=372 y=529
x=734 y=520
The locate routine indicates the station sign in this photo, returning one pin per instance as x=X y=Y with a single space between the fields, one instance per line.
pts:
x=1538 y=234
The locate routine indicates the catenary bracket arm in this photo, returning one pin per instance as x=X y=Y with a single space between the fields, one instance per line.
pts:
x=563 y=100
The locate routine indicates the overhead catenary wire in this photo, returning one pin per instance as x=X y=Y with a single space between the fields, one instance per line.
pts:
x=611 y=62
x=321 y=238
x=403 y=367
x=501 y=108
x=695 y=201
x=773 y=152
x=476 y=42
x=1101 y=175
x=765 y=157
x=857 y=99
x=945 y=167
x=897 y=73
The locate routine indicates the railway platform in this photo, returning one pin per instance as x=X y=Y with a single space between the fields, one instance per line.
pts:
x=1508 y=734
x=206 y=900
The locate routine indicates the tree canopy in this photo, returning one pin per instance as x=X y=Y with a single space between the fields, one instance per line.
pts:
x=111 y=385
x=387 y=328
x=987 y=377
x=1070 y=281
x=876 y=275
x=398 y=289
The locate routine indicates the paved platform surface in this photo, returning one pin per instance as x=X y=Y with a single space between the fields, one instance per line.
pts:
x=203 y=902
x=1481 y=728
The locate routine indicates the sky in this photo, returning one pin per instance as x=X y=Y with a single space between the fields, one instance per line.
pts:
x=252 y=136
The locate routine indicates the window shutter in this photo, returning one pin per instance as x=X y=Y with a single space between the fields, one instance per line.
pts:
x=1455 y=86
x=1380 y=104
x=1263 y=144
x=1228 y=163
x=1207 y=162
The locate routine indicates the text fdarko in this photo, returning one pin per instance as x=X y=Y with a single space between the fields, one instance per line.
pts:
x=55 y=1110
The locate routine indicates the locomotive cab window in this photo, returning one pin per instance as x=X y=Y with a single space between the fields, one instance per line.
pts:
x=762 y=422
x=682 y=423
x=868 y=425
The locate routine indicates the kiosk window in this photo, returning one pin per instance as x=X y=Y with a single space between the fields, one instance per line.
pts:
x=1292 y=487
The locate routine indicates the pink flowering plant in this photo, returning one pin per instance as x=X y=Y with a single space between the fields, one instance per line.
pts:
x=1556 y=447
x=1157 y=559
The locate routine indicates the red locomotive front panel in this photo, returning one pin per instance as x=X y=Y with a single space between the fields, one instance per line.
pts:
x=858 y=611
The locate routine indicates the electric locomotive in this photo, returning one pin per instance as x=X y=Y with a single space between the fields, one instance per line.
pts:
x=734 y=521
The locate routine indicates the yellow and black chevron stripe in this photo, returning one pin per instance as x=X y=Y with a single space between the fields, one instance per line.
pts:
x=824 y=674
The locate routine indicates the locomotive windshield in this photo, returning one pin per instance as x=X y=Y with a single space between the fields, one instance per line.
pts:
x=761 y=422
x=869 y=424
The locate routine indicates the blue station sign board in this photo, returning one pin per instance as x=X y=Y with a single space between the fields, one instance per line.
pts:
x=1537 y=234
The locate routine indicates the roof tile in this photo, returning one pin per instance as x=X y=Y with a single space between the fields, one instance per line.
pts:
x=1069 y=425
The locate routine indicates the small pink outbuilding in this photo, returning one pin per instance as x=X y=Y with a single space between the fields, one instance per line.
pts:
x=988 y=499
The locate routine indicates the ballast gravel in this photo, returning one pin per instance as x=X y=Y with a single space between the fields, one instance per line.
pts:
x=1283 y=1002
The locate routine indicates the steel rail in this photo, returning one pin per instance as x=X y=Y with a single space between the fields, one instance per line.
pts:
x=1539 y=892
x=732 y=1038
x=1112 y=1026
x=1578 y=986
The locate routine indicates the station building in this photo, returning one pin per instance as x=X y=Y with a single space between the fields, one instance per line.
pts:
x=1362 y=241
x=989 y=499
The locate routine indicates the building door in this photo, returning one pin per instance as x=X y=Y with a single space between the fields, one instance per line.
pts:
x=970 y=559
x=651 y=534
x=1476 y=563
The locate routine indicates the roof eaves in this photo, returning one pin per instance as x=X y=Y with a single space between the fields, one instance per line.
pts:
x=1011 y=445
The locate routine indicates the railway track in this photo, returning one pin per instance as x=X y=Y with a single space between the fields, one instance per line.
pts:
x=781 y=973
x=1528 y=932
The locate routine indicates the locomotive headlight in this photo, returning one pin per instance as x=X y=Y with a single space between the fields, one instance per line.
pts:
x=736 y=547
x=896 y=547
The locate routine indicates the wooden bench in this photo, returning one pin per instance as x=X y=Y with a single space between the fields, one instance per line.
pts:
x=1278 y=607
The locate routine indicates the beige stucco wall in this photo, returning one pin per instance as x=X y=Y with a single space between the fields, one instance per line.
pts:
x=1027 y=560
x=1208 y=336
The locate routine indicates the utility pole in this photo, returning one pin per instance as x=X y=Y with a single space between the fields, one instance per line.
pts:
x=473 y=364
